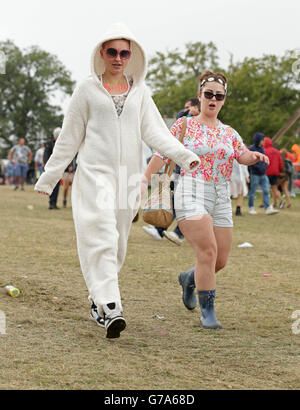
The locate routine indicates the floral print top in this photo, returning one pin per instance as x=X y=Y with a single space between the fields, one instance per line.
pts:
x=216 y=147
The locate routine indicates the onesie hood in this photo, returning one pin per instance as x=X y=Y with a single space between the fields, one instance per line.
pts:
x=137 y=65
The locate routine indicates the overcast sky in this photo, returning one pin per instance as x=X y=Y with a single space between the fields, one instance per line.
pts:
x=71 y=28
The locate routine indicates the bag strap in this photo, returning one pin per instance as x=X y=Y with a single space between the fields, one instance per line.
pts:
x=172 y=164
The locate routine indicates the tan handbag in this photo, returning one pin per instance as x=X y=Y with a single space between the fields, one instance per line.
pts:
x=158 y=208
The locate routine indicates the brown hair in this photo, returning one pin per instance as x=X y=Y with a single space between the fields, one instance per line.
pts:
x=207 y=74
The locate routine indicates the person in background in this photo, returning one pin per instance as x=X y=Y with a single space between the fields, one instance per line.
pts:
x=39 y=160
x=283 y=180
x=20 y=155
x=191 y=108
x=49 y=147
x=296 y=151
x=67 y=180
x=10 y=173
x=275 y=167
x=238 y=185
x=258 y=177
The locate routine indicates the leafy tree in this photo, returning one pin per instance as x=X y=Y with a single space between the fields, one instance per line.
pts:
x=263 y=93
x=172 y=75
x=33 y=81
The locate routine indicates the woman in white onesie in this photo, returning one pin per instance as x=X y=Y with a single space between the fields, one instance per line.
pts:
x=110 y=114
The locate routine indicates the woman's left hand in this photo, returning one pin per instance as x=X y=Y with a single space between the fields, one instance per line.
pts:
x=259 y=157
x=252 y=157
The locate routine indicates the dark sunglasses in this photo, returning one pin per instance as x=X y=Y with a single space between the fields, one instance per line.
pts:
x=209 y=95
x=113 y=53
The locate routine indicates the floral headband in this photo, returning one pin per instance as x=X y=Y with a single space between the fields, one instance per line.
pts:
x=210 y=79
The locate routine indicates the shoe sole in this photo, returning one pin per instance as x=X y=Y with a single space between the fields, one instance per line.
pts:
x=180 y=283
x=214 y=327
x=115 y=327
x=96 y=321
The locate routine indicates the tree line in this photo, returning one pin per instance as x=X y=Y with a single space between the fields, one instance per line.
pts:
x=32 y=82
x=263 y=93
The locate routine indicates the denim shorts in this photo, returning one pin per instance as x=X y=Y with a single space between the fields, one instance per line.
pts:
x=273 y=179
x=21 y=170
x=194 y=197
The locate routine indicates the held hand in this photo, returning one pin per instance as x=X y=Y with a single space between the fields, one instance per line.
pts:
x=193 y=164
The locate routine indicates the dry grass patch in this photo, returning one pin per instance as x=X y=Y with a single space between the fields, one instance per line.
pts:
x=50 y=343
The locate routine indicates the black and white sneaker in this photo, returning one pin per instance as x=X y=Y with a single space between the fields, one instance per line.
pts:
x=114 y=320
x=95 y=315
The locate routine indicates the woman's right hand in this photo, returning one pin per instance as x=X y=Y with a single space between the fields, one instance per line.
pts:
x=193 y=164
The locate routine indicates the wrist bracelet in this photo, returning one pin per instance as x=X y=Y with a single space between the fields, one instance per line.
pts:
x=144 y=181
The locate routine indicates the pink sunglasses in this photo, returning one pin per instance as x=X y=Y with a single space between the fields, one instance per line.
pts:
x=113 y=53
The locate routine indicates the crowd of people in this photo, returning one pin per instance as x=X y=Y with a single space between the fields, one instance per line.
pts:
x=21 y=168
x=110 y=115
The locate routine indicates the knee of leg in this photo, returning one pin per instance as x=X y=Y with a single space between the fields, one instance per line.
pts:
x=208 y=255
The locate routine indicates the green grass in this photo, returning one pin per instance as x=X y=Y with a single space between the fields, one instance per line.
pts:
x=50 y=342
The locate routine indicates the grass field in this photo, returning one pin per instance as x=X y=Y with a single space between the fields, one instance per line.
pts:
x=50 y=342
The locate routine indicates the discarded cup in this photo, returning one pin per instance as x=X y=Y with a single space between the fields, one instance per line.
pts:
x=245 y=245
x=158 y=317
x=12 y=291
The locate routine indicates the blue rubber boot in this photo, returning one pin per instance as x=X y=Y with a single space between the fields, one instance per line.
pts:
x=206 y=301
x=186 y=280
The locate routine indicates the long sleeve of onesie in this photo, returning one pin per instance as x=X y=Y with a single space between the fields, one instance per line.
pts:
x=66 y=146
x=156 y=134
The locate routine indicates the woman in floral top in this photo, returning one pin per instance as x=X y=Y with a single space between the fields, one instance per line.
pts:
x=202 y=199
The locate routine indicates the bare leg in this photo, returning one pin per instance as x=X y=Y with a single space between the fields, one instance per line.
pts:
x=274 y=194
x=224 y=241
x=65 y=192
x=239 y=201
x=200 y=234
x=285 y=188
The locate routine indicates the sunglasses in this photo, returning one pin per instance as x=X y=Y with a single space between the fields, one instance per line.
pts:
x=210 y=79
x=209 y=95
x=113 y=53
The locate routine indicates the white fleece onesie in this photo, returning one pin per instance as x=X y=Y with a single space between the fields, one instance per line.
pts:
x=106 y=187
